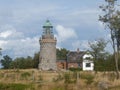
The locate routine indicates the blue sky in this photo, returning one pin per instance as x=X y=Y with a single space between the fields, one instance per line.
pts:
x=75 y=23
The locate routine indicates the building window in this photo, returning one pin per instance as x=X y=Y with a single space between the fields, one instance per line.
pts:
x=88 y=58
x=88 y=65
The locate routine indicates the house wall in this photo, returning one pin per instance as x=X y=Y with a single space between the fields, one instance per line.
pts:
x=72 y=65
x=64 y=65
x=87 y=62
x=61 y=65
x=87 y=56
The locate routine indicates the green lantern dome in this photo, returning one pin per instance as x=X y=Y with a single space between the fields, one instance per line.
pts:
x=47 y=29
x=47 y=24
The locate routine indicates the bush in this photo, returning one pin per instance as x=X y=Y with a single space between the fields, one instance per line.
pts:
x=13 y=87
x=69 y=78
x=88 y=77
x=75 y=69
x=25 y=75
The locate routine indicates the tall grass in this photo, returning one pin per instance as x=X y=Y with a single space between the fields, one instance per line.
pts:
x=14 y=86
x=25 y=75
x=89 y=78
x=69 y=80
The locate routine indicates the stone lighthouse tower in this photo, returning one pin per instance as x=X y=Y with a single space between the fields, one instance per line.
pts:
x=47 y=58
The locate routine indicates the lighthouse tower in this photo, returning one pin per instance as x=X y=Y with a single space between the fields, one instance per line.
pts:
x=47 y=58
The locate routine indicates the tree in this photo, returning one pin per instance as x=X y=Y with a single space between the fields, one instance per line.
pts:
x=98 y=48
x=19 y=63
x=6 y=61
x=36 y=60
x=105 y=65
x=111 y=19
x=61 y=53
x=29 y=62
x=22 y=63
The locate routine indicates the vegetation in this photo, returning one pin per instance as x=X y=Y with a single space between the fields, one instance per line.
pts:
x=58 y=78
x=19 y=63
x=111 y=19
x=61 y=53
x=6 y=61
x=97 y=49
x=28 y=62
x=56 y=81
x=105 y=64
x=14 y=86
x=88 y=77
x=75 y=69
x=36 y=60
x=25 y=75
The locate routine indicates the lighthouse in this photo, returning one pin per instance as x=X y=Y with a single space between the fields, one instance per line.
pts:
x=47 y=57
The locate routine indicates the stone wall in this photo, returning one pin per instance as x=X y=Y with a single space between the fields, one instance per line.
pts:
x=47 y=54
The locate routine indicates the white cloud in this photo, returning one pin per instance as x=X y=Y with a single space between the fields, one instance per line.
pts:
x=24 y=47
x=82 y=44
x=15 y=43
x=2 y=43
x=9 y=32
x=63 y=34
x=20 y=47
x=5 y=34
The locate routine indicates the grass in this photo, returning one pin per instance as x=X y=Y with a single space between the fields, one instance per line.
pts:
x=88 y=77
x=33 y=79
x=25 y=75
x=14 y=86
x=115 y=88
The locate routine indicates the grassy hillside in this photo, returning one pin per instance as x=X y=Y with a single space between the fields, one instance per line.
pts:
x=33 y=79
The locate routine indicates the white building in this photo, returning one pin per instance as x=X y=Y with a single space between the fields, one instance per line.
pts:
x=88 y=64
x=80 y=59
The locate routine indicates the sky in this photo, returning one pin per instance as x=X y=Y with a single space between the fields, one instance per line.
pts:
x=75 y=23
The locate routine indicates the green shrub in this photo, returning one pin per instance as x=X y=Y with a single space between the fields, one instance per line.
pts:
x=18 y=86
x=25 y=75
x=2 y=87
x=75 y=69
x=69 y=78
x=88 y=77
x=13 y=87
